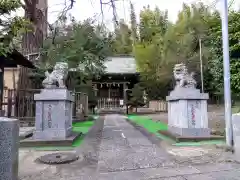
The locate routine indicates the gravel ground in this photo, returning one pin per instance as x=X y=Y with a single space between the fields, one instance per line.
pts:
x=115 y=150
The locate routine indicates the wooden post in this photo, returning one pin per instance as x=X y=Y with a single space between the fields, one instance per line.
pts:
x=95 y=90
x=1 y=87
x=124 y=93
x=86 y=105
x=109 y=92
x=125 y=88
x=9 y=104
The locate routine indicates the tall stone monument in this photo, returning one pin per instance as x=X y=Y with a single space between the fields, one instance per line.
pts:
x=54 y=106
x=187 y=106
x=9 y=143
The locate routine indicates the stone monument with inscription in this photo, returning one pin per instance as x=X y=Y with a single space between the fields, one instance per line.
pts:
x=187 y=106
x=54 y=108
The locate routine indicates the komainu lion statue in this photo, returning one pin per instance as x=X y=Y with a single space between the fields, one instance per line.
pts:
x=57 y=76
x=182 y=77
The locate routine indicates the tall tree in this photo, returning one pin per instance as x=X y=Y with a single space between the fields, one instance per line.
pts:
x=150 y=51
x=133 y=23
x=216 y=58
x=183 y=39
x=122 y=43
x=189 y=28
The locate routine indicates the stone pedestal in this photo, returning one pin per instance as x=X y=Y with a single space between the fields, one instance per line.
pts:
x=236 y=134
x=187 y=112
x=9 y=144
x=53 y=114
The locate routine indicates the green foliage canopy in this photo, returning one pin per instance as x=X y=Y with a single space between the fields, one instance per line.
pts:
x=10 y=26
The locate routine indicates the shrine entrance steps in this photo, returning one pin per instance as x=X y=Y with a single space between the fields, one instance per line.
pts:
x=111 y=111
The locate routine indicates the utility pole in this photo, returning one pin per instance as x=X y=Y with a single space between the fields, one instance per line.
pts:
x=201 y=63
x=226 y=67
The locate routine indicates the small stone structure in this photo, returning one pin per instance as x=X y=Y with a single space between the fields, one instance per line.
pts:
x=53 y=110
x=236 y=134
x=9 y=144
x=187 y=107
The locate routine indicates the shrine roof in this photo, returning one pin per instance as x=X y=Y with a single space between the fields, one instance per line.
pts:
x=121 y=65
x=15 y=58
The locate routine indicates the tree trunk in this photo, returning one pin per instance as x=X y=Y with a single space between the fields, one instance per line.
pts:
x=36 y=13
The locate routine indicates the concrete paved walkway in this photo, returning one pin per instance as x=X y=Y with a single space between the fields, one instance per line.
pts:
x=127 y=154
x=115 y=150
x=123 y=148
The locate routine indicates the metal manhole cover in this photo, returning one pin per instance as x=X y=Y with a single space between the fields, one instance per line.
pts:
x=58 y=158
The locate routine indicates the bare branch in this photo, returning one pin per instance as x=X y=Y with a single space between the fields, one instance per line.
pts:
x=112 y=4
x=61 y=15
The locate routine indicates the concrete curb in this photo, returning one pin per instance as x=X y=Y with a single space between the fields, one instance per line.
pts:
x=32 y=143
x=91 y=143
x=152 y=137
x=225 y=148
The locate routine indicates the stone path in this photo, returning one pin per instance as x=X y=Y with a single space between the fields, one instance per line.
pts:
x=123 y=148
x=115 y=150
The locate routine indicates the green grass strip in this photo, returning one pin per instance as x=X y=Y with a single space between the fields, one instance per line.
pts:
x=147 y=123
x=81 y=127
x=153 y=127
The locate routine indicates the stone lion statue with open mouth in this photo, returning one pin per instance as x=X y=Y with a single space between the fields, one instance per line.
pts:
x=57 y=76
x=183 y=78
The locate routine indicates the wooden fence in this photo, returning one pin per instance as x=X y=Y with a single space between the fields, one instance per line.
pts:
x=108 y=103
x=80 y=106
x=20 y=104
x=158 y=105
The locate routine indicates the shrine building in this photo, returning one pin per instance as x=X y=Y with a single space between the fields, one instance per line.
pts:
x=120 y=75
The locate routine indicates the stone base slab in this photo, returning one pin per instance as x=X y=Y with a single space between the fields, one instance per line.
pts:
x=31 y=142
x=186 y=94
x=179 y=138
x=53 y=133
x=190 y=132
x=54 y=95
